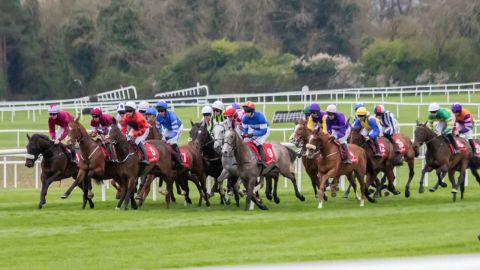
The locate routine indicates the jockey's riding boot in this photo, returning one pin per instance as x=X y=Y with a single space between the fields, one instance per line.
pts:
x=262 y=155
x=472 y=144
x=454 y=143
x=394 y=144
x=111 y=151
x=176 y=157
x=377 y=148
x=144 y=151
x=73 y=155
x=347 y=155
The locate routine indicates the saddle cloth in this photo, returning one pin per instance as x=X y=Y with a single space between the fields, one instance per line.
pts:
x=269 y=153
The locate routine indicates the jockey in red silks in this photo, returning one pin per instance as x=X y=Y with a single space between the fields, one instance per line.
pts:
x=233 y=121
x=100 y=123
x=136 y=128
x=61 y=119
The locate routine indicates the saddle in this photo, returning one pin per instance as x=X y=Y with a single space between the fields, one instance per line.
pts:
x=186 y=161
x=152 y=152
x=343 y=154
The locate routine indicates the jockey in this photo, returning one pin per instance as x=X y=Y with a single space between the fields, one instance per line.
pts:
x=135 y=127
x=464 y=123
x=370 y=127
x=170 y=126
x=444 y=126
x=307 y=112
x=99 y=123
x=240 y=112
x=255 y=128
x=120 y=114
x=317 y=118
x=150 y=114
x=142 y=107
x=388 y=124
x=359 y=105
x=233 y=121
x=339 y=128
x=61 y=119
x=218 y=117
x=207 y=116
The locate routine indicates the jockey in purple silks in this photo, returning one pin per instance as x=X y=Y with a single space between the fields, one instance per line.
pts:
x=339 y=128
x=317 y=118
x=61 y=119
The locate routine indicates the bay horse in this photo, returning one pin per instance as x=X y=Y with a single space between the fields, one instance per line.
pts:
x=407 y=151
x=377 y=164
x=299 y=138
x=332 y=166
x=93 y=164
x=439 y=157
x=55 y=164
x=212 y=159
x=248 y=169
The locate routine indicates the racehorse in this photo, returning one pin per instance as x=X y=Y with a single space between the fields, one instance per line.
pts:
x=299 y=138
x=248 y=169
x=94 y=164
x=200 y=135
x=407 y=151
x=332 y=166
x=377 y=164
x=56 y=164
x=439 y=157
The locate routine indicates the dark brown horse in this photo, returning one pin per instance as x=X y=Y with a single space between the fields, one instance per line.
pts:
x=405 y=146
x=55 y=163
x=439 y=157
x=332 y=166
x=377 y=164
x=93 y=164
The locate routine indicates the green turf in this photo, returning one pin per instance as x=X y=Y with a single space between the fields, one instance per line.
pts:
x=62 y=236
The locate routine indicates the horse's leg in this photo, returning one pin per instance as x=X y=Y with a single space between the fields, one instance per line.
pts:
x=352 y=184
x=169 y=190
x=367 y=185
x=70 y=188
x=411 y=173
x=276 y=199
x=363 y=188
x=236 y=191
x=252 y=184
x=45 y=184
x=143 y=178
x=268 y=188
x=202 y=189
x=461 y=178
x=451 y=177
x=347 y=191
x=391 y=179
x=293 y=179
x=421 y=189
x=475 y=174
x=321 y=189
x=145 y=189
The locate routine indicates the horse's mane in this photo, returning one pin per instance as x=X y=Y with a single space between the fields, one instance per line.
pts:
x=40 y=136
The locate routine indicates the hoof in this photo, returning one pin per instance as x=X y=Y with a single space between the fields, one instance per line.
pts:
x=90 y=195
x=394 y=192
x=320 y=205
x=432 y=189
x=443 y=184
x=276 y=200
x=117 y=208
x=269 y=197
x=345 y=195
x=362 y=203
x=372 y=200
x=407 y=193
x=64 y=196
x=301 y=198
x=421 y=189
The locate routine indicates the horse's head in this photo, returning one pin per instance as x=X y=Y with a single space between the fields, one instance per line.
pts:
x=219 y=131
x=422 y=134
x=199 y=135
x=300 y=134
x=316 y=141
x=76 y=132
x=230 y=142
x=34 y=148
x=356 y=137
x=114 y=134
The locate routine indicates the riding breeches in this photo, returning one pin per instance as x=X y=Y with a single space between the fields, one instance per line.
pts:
x=344 y=138
x=172 y=137
x=59 y=133
x=443 y=128
x=258 y=140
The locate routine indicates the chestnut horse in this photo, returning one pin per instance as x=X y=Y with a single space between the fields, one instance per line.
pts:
x=93 y=164
x=332 y=166
x=299 y=138
x=377 y=164
x=55 y=164
x=439 y=157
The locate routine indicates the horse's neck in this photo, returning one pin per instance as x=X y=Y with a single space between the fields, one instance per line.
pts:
x=46 y=149
x=327 y=147
x=242 y=150
x=435 y=144
x=308 y=133
x=122 y=148
x=87 y=145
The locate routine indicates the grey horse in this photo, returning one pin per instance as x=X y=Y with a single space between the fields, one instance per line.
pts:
x=239 y=159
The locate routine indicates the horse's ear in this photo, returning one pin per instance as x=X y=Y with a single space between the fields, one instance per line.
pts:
x=114 y=120
x=76 y=119
x=416 y=121
x=28 y=137
x=425 y=124
x=191 y=122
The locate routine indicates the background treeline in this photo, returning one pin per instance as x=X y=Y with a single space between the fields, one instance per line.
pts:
x=70 y=48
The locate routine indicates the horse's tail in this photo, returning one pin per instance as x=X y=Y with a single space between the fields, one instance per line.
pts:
x=293 y=156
